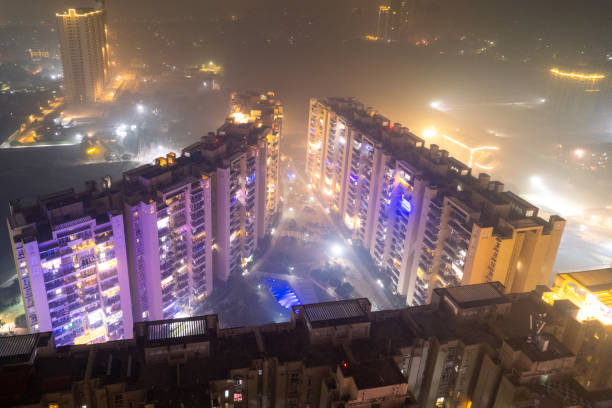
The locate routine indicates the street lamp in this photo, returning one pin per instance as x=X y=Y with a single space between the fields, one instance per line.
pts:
x=437 y=105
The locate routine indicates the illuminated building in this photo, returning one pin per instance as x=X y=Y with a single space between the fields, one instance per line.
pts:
x=211 y=68
x=83 y=36
x=577 y=307
x=168 y=217
x=391 y=20
x=398 y=17
x=263 y=110
x=589 y=291
x=38 y=55
x=382 y=24
x=72 y=268
x=426 y=221
x=236 y=155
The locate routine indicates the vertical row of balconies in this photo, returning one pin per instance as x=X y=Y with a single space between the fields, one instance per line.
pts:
x=382 y=216
x=314 y=157
x=399 y=231
x=140 y=265
x=198 y=245
x=272 y=172
x=250 y=235
x=493 y=261
x=26 y=293
x=454 y=248
x=236 y=213
x=429 y=253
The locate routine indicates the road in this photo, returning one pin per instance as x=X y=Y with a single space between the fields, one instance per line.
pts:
x=31 y=128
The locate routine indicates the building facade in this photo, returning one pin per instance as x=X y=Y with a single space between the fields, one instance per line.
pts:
x=147 y=247
x=237 y=159
x=426 y=221
x=263 y=109
x=168 y=216
x=83 y=35
x=72 y=267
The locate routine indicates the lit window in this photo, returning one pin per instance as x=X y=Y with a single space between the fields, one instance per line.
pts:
x=237 y=397
x=226 y=393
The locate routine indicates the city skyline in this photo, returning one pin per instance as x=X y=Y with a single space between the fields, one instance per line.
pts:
x=287 y=204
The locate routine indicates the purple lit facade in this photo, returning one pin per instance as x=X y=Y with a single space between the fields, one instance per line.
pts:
x=72 y=267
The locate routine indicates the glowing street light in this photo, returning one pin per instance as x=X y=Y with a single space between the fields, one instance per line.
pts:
x=121 y=131
x=436 y=105
x=537 y=181
x=580 y=76
x=336 y=250
x=429 y=132
x=140 y=108
x=579 y=153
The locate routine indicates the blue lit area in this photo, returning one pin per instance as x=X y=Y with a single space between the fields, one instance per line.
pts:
x=282 y=292
x=406 y=205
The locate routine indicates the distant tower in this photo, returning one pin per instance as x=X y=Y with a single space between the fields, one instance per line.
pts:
x=399 y=18
x=382 y=26
x=85 y=53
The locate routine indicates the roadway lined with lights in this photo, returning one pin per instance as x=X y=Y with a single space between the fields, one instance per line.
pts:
x=576 y=75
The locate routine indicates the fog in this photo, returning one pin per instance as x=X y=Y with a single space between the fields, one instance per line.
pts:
x=504 y=96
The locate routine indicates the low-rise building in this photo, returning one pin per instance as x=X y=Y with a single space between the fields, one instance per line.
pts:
x=425 y=356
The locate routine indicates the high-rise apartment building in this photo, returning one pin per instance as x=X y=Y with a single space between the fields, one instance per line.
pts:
x=263 y=110
x=72 y=267
x=399 y=17
x=83 y=35
x=168 y=216
x=426 y=221
x=145 y=248
x=237 y=158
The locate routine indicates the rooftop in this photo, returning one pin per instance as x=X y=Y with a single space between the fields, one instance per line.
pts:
x=373 y=374
x=294 y=346
x=475 y=295
x=336 y=313
x=176 y=331
x=17 y=349
x=596 y=280
x=438 y=167
x=535 y=352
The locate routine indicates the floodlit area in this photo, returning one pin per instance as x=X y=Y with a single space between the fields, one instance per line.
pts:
x=589 y=291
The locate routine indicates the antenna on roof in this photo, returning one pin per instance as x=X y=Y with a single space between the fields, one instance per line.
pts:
x=536 y=324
